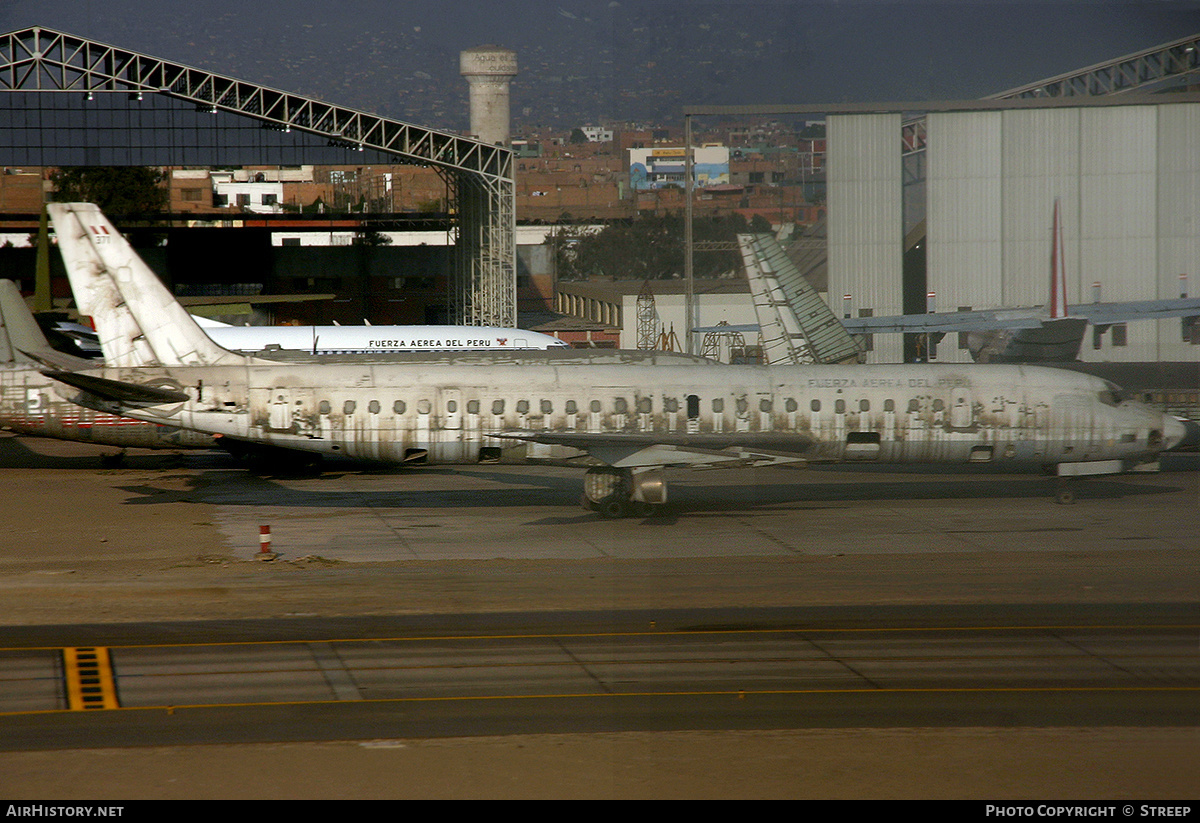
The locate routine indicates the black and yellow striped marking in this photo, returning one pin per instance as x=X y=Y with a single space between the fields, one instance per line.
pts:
x=89 y=675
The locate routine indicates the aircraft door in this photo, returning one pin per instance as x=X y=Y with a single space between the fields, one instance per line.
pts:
x=452 y=411
x=693 y=413
x=741 y=405
x=1071 y=422
x=450 y=408
x=280 y=418
x=962 y=413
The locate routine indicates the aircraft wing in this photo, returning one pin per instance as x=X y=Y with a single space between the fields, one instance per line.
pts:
x=1106 y=313
x=1032 y=318
x=982 y=320
x=913 y=323
x=916 y=323
x=634 y=449
x=997 y=319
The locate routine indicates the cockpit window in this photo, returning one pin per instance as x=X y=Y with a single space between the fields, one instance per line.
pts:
x=1111 y=395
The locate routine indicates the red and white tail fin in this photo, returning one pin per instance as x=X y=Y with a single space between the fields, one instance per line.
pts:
x=1058 y=271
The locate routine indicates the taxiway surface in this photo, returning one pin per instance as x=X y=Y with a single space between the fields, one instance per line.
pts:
x=165 y=541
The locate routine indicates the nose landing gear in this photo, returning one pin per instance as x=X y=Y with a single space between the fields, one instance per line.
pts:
x=1064 y=492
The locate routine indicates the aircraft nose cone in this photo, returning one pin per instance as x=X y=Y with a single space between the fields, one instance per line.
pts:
x=1181 y=434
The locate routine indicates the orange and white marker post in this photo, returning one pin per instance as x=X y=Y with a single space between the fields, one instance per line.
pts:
x=264 y=539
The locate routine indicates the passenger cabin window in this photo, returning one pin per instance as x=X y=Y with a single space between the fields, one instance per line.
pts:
x=864 y=405
x=398 y=407
x=522 y=407
x=595 y=406
x=815 y=405
x=840 y=407
x=718 y=406
x=643 y=405
x=451 y=406
x=790 y=405
x=547 y=407
x=764 y=406
x=324 y=407
x=472 y=407
x=621 y=405
x=572 y=407
x=743 y=405
x=889 y=405
x=373 y=407
x=348 y=407
x=497 y=407
x=424 y=407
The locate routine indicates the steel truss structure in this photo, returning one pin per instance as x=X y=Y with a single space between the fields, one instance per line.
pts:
x=478 y=176
x=1133 y=72
x=1128 y=73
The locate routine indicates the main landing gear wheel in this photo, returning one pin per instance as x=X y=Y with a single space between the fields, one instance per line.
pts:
x=640 y=508
x=617 y=493
x=614 y=507
x=1064 y=493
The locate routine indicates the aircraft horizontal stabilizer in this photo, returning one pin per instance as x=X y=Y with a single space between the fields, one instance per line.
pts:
x=55 y=359
x=116 y=391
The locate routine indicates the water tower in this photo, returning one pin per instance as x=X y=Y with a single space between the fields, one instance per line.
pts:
x=488 y=70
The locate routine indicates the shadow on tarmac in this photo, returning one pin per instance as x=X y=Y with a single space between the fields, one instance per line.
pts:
x=690 y=496
x=213 y=477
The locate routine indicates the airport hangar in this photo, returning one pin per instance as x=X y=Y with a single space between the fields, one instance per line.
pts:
x=977 y=179
x=70 y=101
x=940 y=206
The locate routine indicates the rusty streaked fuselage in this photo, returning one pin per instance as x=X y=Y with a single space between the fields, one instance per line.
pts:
x=465 y=409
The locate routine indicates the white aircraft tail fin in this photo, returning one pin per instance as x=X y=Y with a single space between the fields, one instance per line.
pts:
x=139 y=322
x=19 y=332
x=1058 y=271
x=796 y=325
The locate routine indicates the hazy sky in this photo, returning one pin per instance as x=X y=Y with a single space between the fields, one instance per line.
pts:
x=596 y=60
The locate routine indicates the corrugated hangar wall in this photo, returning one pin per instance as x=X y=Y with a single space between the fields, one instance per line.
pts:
x=1127 y=179
x=1178 y=216
x=866 y=227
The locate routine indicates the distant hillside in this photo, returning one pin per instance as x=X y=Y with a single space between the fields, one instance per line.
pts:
x=595 y=62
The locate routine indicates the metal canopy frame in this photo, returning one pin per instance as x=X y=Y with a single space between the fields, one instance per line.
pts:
x=1119 y=75
x=479 y=176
